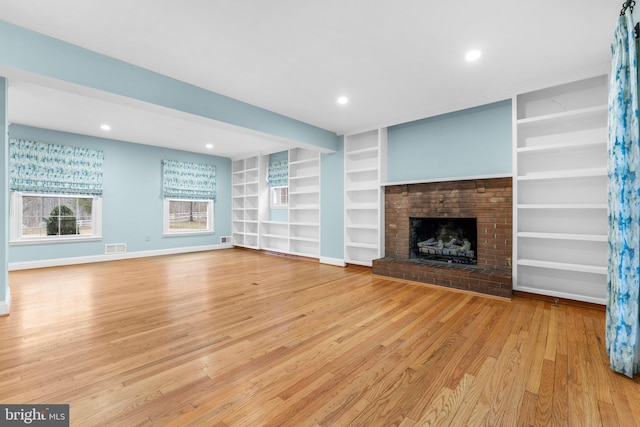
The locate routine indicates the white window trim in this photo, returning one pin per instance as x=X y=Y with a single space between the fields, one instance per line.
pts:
x=275 y=205
x=165 y=218
x=15 y=221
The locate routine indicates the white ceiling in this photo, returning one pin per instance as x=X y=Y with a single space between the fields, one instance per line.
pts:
x=396 y=61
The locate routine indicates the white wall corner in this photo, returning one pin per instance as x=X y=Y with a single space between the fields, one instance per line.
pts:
x=6 y=304
x=333 y=261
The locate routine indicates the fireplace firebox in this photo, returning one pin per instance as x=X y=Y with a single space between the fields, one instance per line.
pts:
x=450 y=240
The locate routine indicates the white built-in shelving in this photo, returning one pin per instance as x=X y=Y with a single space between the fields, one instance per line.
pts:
x=245 y=202
x=304 y=202
x=301 y=234
x=365 y=170
x=274 y=236
x=560 y=190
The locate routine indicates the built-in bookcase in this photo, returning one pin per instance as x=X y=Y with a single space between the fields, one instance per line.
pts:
x=304 y=202
x=365 y=170
x=245 y=205
x=301 y=234
x=560 y=190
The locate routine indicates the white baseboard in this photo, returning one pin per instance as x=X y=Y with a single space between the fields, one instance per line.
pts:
x=333 y=261
x=57 y=262
x=593 y=300
x=6 y=304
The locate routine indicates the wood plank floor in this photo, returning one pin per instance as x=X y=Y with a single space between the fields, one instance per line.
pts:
x=240 y=338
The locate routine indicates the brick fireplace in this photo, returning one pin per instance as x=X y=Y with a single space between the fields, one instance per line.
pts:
x=487 y=201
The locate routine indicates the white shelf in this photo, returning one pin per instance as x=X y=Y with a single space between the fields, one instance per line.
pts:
x=578 y=113
x=364 y=207
x=363 y=227
x=563 y=266
x=372 y=187
x=304 y=207
x=577 y=206
x=275 y=236
x=561 y=146
x=564 y=236
x=302 y=177
x=302 y=162
x=361 y=151
x=304 y=239
x=362 y=245
x=297 y=193
x=560 y=192
x=362 y=170
x=580 y=173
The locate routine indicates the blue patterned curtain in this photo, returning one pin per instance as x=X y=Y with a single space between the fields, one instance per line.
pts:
x=624 y=212
x=187 y=180
x=35 y=167
x=278 y=174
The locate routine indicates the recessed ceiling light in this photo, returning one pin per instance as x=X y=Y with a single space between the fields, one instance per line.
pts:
x=473 y=55
x=209 y=146
x=343 y=100
x=105 y=127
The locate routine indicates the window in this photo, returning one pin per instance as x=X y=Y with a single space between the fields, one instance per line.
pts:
x=51 y=217
x=189 y=191
x=183 y=216
x=56 y=192
x=279 y=197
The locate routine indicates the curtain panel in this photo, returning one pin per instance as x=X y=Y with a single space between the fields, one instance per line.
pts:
x=187 y=180
x=37 y=167
x=278 y=174
x=623 y=146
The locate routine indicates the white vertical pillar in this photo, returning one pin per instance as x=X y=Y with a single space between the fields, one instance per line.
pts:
x=5 y=295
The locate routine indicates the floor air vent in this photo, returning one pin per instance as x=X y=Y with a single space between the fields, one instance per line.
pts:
x=115 y=248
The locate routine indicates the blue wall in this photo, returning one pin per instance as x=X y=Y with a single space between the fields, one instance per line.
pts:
x=132 y=200
x=466 y=143
x=332 y=203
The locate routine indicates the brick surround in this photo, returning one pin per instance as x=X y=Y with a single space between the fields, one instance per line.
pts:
x=487 y=200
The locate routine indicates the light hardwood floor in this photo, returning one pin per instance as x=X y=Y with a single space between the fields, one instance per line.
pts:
x=237 y=337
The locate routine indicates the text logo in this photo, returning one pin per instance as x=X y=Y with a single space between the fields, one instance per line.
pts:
x=34 y=415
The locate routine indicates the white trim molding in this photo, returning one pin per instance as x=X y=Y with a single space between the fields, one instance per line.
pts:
x=57 y=262
x=333 y=261
x=565 y=295
x=456 y=178
x=6 y=304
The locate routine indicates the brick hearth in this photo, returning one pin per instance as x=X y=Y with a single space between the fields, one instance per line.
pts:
x=487 y=200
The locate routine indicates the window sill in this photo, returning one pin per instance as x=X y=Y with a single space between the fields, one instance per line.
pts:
x=44 y=240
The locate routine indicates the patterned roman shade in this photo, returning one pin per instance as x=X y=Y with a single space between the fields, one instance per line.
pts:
x=36 y=167
x=278 y=174
x=187 y=180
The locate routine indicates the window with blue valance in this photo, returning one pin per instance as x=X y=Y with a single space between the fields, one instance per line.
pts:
x=187 y=180
x=278 y=174
x=37 y=167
